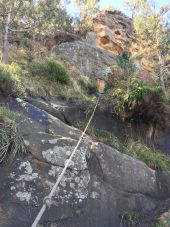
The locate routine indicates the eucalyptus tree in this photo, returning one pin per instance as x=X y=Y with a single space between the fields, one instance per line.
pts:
x=152 y=27
x=14 y=18
x=30 y=16
x=87 y=10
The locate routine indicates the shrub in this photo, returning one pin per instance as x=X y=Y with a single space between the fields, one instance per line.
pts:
x=51 y=70
x=10 y=140
x=125 y=63
x=135 y=92
x=10 y=80
x=89 y=87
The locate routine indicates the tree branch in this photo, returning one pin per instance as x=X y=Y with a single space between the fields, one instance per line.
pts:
x=24 y=30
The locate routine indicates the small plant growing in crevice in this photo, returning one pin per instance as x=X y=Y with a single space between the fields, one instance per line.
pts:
x=129 y=218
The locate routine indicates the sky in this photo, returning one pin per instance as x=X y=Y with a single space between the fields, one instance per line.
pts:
x=119 y=4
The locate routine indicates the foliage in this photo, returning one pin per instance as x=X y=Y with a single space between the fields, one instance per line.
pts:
x=51 y=16
x=51 y=70
x=87 y=10
x=133 y=92
x=11 y=142
x=130 y=218
x=35 y=20
x=10 y=80
x=126 y=63
x=136 y=149
x=88 y=86
x=102 y=135
x=152 y=158
x=153 y=32
x=129 y=92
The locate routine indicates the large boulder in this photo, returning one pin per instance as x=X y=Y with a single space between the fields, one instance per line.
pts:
x=87 y=58
x=99 y=185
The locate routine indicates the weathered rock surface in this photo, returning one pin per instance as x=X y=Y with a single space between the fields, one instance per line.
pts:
x=99 y=185
x=89 y=59
x=114 y=31
x=75 y=110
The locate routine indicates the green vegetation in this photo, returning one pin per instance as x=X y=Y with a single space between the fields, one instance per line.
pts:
x=126 y=63
x=130 y=218
x=165 y=222
x=101 y=135
x=11 y=142
x=153 y=32
x=28 y=77
x=134 y=92
x=51 y=70
x=88 y=86
x=154 y=159
x=129 y=91
x=10 y=80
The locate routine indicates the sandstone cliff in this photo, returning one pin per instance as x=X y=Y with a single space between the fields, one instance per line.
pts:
x=113 y=33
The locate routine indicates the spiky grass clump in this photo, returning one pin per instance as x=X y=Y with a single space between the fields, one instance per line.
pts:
x=154 y=159
x=11 y=142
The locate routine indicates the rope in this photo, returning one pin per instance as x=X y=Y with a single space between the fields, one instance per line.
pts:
x=47 y=199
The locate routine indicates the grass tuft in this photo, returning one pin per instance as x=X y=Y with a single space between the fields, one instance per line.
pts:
x=11 y=142
x=10 y=80
x=154 y=159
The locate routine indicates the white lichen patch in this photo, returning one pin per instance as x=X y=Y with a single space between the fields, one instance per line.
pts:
x=26 y=166
x=94 y=195
x=21 y=186
x=24 y=196
x=27 y=177
x=12 y=188
x=53 y=141
x=69 y=163
x=73 y=187
x=28 y=174
x=12 y=175
x=58 y=155
x=50 y=184
x=72 y=133
x=19 y=100
x=54 y=171
x=26 y=142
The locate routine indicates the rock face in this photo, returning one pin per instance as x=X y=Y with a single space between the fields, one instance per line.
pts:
x=90 y=60
x=99 y=185
x=75 y=110
x=114 y=31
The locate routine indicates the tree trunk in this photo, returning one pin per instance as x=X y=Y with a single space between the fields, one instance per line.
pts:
x=161 y=75
x=5 y=39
